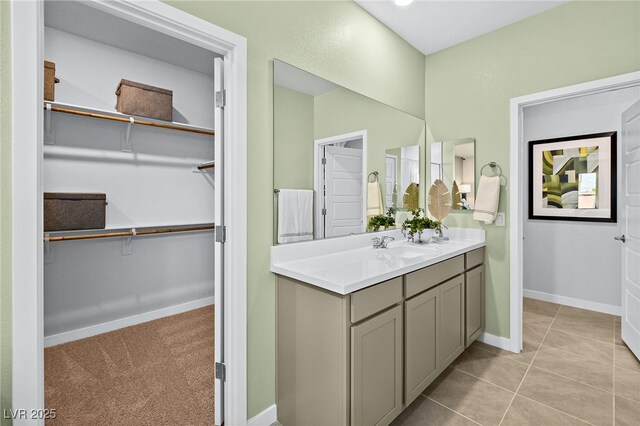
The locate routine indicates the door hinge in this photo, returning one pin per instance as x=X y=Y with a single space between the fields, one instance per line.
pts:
x=324 y=160
x=221 y=371
x=324 y=212
x=221 y=99
x=221 y=234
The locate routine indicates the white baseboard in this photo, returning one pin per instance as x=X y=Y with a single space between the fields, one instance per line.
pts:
x=497 y=341
x=576 y=303
x=69 y=336
x=266 y=418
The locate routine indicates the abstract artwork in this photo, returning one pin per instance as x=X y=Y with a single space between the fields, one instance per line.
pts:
x=573 y=178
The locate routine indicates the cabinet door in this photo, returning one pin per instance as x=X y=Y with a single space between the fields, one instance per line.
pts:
x=474 y=302
x=421 y=333
x=376 y=369
x=451 y=322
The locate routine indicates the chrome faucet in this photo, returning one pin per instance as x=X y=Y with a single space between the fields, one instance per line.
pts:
x=381 y=242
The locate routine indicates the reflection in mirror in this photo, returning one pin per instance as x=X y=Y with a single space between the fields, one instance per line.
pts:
x=453 y=162
x=402 y=178
x=332 y=150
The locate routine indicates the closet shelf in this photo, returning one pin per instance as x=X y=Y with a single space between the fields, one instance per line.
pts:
x=124 y=232
x=116 y=116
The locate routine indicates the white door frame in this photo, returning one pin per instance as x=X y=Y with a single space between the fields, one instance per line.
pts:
x=318 y=144
x=517 y=179
x=27 y=117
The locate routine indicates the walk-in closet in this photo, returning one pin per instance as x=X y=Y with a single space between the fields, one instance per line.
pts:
x=129 y=218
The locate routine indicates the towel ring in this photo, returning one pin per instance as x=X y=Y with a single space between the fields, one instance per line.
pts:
x=493 y=165
x=375 y=177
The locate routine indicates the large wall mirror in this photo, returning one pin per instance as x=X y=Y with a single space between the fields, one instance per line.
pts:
x=339 y=158
x=454 y=162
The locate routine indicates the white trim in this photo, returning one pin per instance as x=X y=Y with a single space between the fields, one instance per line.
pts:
x=317 y=178
x=28 y=314
x=495 y=341
x=517 y=172
x=105 y=327
x=27 y=46
x=267 y=417
x=576 y=303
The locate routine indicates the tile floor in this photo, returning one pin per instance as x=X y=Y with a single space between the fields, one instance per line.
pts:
x=574 y=370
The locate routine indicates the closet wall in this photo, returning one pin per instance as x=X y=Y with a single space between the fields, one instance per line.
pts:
x=98 y=283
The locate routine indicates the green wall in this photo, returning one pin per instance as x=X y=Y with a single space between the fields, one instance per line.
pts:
x=468 y=88
x=337 y=41
x=5 y=210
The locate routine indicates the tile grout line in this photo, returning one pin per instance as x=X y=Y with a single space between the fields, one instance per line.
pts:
x=555 y=409
x=483 y=380
x=580 y=336
x=578 y=355
x=500 y=355
x=450 y=409
x=572 y=379
x=528 y=368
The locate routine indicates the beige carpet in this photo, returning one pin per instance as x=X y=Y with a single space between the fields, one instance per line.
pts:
x=157 y=373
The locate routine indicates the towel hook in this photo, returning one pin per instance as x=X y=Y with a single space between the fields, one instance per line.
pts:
x=375 y=177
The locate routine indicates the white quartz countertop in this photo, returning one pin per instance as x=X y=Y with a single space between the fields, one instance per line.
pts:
x=355 y=267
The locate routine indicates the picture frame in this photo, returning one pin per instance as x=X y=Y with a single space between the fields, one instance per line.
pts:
x=574 y=178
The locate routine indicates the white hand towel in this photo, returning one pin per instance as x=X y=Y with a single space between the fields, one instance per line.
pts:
x=295 y=215
x=374 y=199
x=487 y=199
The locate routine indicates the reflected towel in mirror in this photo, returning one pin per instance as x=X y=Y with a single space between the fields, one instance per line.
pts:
x=374 y=199
x=295 y=215
x=487 y=199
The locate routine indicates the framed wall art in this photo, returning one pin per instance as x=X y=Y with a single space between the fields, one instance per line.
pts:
x=573 y=178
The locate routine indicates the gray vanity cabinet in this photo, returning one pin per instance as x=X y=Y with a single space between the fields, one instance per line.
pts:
x=451 y=321
x=359 y=359
x=474 y=294
x=376 y=369
x=474 y=299
x=434 y=327
x=421 y=342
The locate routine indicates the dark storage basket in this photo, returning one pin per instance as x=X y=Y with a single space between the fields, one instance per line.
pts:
x=50 y=81
x=144 y=100
x=70 y=211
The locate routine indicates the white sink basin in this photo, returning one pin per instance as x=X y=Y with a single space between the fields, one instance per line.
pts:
x=408 y=250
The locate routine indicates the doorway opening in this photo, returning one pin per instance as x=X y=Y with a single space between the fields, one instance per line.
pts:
x=340 y=184
x=528 y=116
x=56 y=143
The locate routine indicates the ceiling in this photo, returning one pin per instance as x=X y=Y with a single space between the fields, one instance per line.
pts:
x=431 y=25
x=84 y=21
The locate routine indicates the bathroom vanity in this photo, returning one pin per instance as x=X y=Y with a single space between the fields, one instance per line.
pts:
x=361 y=332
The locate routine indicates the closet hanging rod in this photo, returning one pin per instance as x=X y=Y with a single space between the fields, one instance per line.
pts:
x=207 y=165
x=124 y=232
x=116 y=116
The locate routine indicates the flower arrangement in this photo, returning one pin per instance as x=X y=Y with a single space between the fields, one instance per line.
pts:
x=376 y=222
x=417 y=225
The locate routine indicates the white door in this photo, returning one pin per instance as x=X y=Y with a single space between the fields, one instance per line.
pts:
x=389 y=179
x=630 y=225
x=344 y=196
x=218 y=327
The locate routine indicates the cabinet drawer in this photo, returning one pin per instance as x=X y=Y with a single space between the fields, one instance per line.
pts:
x=370 y=300
x=474 y=258
x=424 y=279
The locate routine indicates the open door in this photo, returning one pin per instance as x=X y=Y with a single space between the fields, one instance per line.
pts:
x=220 y=368
x=630 y=226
